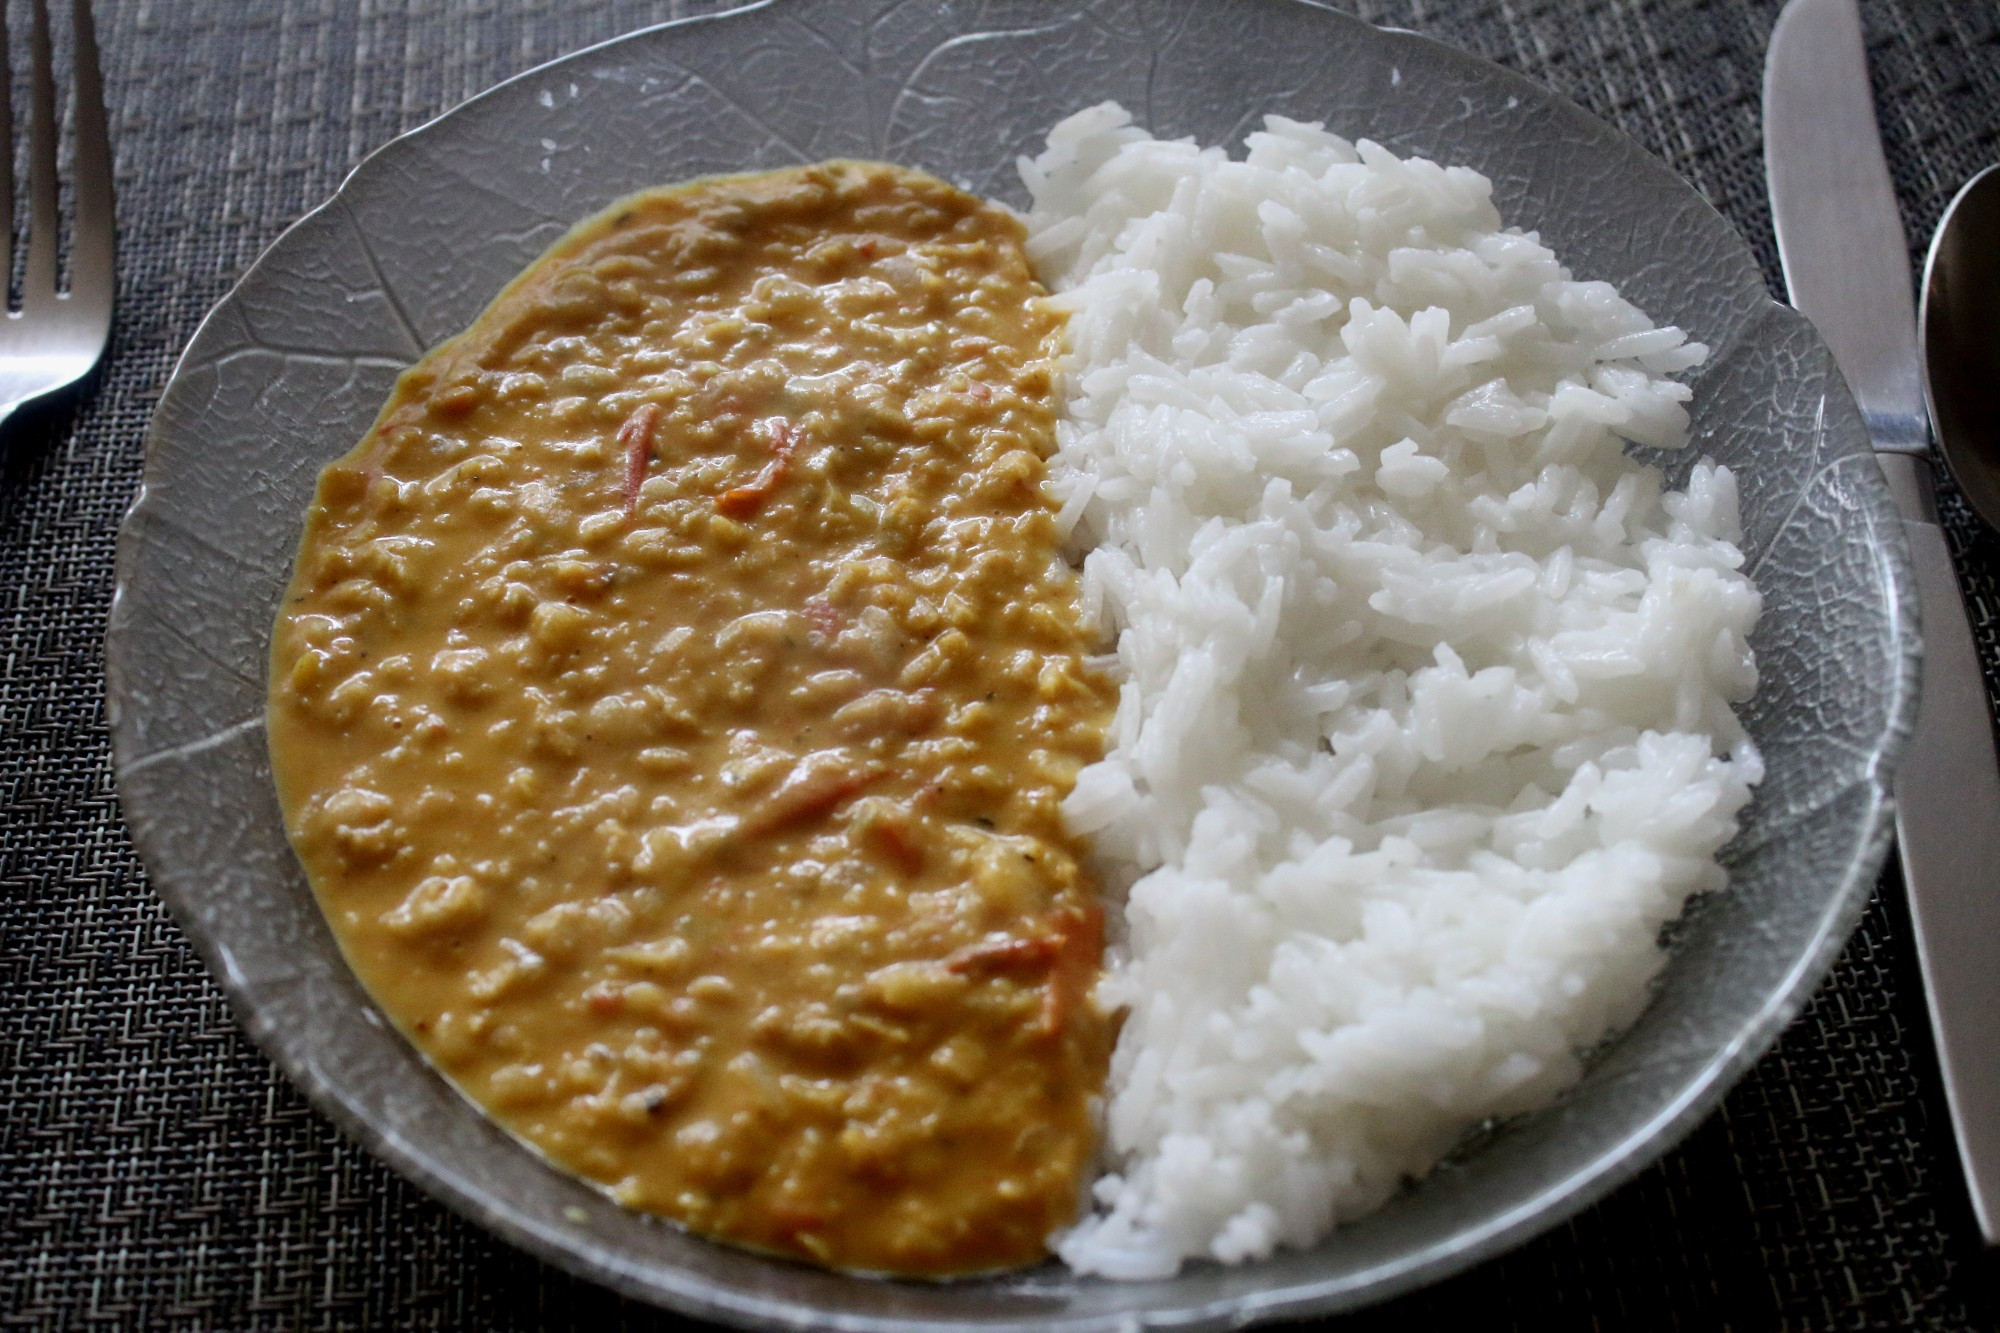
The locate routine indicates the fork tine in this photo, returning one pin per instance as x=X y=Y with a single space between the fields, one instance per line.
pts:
x=38 y=284
x=92 y=245
x=6 y=167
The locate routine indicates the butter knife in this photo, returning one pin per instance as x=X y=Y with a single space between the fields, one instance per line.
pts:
x=1847 y=266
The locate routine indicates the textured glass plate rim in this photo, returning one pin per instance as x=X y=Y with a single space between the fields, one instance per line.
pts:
x=1844 y=900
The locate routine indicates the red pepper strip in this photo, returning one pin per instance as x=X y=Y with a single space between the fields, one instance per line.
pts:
x=743 y=501
x=823 y=615
x=1075 y=972
x=811 y=791
x=794 y=1218
x=746 y=500
x=893 y=837
x=637 y=437
x=1028 y=953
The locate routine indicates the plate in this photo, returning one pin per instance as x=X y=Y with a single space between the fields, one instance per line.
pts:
x=291 y=368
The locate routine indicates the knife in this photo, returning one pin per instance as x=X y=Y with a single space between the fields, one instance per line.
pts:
x=1847 y=266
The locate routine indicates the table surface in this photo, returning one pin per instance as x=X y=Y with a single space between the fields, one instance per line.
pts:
x=156 y=1172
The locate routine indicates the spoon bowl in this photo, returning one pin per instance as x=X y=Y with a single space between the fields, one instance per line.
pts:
x=1958 y=339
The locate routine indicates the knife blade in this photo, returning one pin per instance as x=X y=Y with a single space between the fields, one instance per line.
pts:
x=1847 y=266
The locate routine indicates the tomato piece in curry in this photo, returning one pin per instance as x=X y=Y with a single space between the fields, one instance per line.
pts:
x=671 y=709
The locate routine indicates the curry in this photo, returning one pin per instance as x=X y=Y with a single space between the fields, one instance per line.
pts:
x=671 y=709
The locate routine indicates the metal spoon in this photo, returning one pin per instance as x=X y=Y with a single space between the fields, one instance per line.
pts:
x=1958 y=341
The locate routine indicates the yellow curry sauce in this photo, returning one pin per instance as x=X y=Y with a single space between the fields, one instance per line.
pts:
x=671 y=708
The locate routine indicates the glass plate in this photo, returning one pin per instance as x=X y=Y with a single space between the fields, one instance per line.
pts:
x=290 y=369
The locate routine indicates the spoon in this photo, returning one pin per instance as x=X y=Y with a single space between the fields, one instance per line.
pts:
x=1958 y=341
x=1958 y=346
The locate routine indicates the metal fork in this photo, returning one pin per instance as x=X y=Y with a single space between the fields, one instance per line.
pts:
x=55 y=338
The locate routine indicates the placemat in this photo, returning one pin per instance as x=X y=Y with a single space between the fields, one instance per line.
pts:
x=156 y=1173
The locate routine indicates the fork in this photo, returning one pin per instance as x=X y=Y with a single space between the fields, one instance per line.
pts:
x=55 y=338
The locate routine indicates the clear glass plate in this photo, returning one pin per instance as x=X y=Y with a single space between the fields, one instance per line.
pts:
x=290 y=369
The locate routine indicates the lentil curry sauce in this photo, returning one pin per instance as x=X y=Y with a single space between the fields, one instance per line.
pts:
x=671 y=707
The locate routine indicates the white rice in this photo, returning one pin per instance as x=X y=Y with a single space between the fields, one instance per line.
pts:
x=1425 y=729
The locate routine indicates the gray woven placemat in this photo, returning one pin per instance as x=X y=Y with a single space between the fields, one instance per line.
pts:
x=156 y=1173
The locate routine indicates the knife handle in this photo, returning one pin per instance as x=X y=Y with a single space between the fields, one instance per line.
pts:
x=1948 y=840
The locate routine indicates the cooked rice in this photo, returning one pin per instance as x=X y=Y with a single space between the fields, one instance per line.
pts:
x=1425 y=730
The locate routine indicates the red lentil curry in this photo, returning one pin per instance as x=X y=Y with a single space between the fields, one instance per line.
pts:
x=671 y=707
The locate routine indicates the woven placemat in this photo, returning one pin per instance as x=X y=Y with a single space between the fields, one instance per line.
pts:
x=156 y=1173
